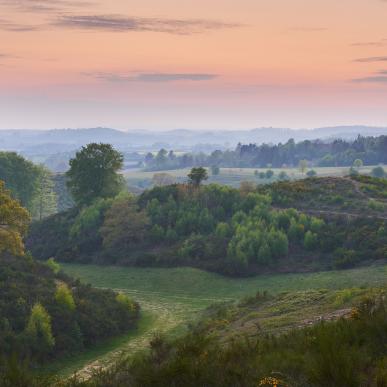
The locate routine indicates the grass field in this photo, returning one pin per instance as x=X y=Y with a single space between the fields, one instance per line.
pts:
x=233 y=176
x=170 y=298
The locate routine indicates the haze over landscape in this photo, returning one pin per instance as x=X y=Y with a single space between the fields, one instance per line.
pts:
x=193 y=193
x=192 y=64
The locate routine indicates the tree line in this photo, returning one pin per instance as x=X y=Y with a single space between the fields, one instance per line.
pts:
x=371 y=150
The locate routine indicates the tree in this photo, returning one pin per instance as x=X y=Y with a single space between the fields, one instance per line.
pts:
x=20 y=177
x=215 y=170
x=45 y=202
x=14 y=220
x=197 y=176
x=247 y=187
x=124 y=225
x=161 y=157
x=94 y=174
x=53 y=265
x=269 y=174
x=64 y=297
x=310 y=241
x=378 y=172
x=311 y=173
x=126 y=302
x=303 y=165
x=39 y=331
x=358 y=163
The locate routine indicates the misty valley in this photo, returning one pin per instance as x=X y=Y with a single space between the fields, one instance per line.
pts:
x=260 y=265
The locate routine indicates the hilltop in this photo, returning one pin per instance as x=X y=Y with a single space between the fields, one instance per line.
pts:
x=307 y=225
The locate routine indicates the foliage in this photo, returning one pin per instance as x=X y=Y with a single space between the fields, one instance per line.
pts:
x=37 y=316
x=358 y=163
x=53 y=265
x=64 y=297
x=347 y=352
x=14 y=220
x=20 y=177
x=303 y=165
x=31 y=184
x=124 y=225
x=39 y=332
x=290 y=225
x=197 y=176
x=45 y=200
x=353 y=153
x=378 y=172
x=93 y=173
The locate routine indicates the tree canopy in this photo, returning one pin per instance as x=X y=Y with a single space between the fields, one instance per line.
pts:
x=94 y=174
x=14 y=220
x=197 y=176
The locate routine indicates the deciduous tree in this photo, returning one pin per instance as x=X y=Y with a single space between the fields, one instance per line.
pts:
x=94 y=174
x=14 y=220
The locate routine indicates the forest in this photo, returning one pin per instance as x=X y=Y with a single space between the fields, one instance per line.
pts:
x=235 y=232
x=334 y=153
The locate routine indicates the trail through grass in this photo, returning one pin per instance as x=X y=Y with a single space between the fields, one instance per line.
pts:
x=170 y=298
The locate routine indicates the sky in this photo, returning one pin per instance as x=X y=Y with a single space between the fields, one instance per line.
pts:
x=195 y=64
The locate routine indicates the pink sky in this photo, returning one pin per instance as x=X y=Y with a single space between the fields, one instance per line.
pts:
x=216 y=64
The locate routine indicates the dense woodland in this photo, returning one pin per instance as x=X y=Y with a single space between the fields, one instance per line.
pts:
x=43 y=313
x=218 y=228
x=371 y=150
x=46 y=315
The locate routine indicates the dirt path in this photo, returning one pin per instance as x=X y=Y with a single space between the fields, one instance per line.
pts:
x=169 y=313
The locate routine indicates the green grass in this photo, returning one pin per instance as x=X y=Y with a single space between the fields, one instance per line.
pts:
x=188 y=285
x=170 y=298
x=233 y=176
x=69 y=365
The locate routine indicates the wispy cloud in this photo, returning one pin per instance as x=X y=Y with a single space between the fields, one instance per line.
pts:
x=373 y=79
x=152 y=77
x=116 y=23
x=372 y=59
x=44 y=5
x=6 y=25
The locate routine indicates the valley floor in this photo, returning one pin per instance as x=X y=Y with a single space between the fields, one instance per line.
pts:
x=171 y=298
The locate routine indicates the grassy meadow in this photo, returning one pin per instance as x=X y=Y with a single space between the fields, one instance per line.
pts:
x=171 y=298
x=234 y=176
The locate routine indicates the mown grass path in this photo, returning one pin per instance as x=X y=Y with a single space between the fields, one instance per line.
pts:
x=171 y=298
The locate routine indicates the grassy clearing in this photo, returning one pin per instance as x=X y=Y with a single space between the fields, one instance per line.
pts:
x=194 y=286
x=170 y=298
x=233 y=176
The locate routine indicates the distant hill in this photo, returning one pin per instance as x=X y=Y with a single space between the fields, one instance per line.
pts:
x=33 y=142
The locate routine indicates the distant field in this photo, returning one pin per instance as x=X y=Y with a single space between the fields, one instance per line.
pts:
x=233 y=176
x=170 y=298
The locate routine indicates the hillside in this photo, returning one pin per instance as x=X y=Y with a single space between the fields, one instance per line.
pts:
x=318 y=223
x=46 y=315
x=315 y=338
